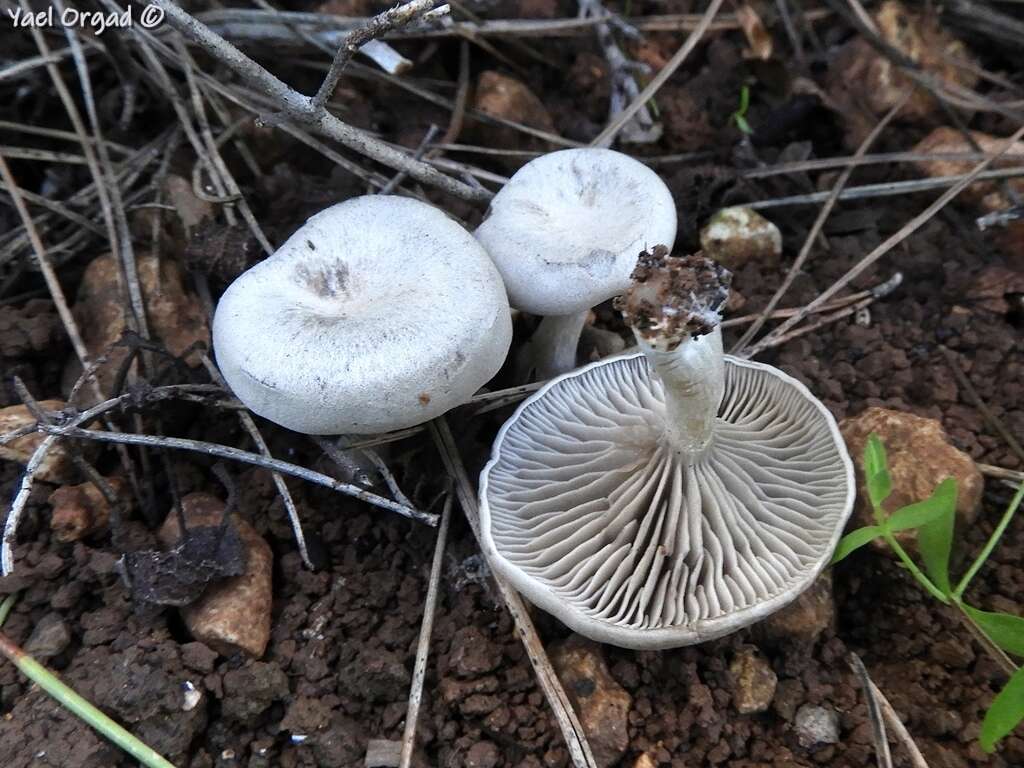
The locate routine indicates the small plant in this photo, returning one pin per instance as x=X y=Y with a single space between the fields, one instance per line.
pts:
x=934 y=519
x=740 y=115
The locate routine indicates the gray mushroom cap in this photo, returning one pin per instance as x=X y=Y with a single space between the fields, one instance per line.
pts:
x=565 y=231
x=379 y=313
x=589 y=512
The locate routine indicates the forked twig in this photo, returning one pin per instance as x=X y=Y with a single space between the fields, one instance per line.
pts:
x=302 y=109
x=874 y=713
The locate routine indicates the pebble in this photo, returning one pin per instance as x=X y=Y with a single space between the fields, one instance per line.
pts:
x=816 y=726
x=57 y=466
x=176 y=316
x=601 y=703
x=483 y=754
x=920 y=456
x=49 y=638
x=735 y=236
x=82 y=510
x=753 y=682
x=805 y=619
x=232 y=614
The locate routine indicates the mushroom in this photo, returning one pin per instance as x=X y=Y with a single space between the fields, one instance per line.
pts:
x=564 y=233
x=379 y=313
x=669 y=496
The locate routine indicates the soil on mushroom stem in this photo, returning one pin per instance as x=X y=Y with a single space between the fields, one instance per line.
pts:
x=338 y=667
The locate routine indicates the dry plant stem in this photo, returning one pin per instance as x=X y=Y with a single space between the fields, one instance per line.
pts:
x=385 y=473
x=378 y=26
x=891 y=242
x=419 y=670
x=234 y=454
x=898 y=728
x=642 y=128
x=886 y=189
x=874 y=714
x=607 y=136
x=1000 y=473
x=816 y=228
x=247 y=24
x=78 y=706
x=300 y=108
x=572 y=730
x=249 y=425
x=111 y=199
x=49 y=276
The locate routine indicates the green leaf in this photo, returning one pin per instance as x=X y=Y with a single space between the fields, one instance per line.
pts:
x=874 y=456
x=1005 y=629
x=935 y=536
x=742 y=124
x=922 y=512
x=1005 y=714
x=876 y=471
x=854 y=540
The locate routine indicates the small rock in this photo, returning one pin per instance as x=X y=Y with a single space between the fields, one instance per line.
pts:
x=483 y=754
x=250 y=690
x=382 y=753
x=82 y=510
x=816 y=726
x=645 y=761
x=199 y=657
x=175 y=316
x=753 y=682
x=803 y=620
x=601 y=703
x=57 y=466
x=998 y=289
x=985 y=194
x=735 y=236
x=30 y=329
x=505 y=97
x=472 y=654
x=232 y=614
x=862 y=75
x=952 y=653
x=920 y=457
x=49 y=638
x=377 y=675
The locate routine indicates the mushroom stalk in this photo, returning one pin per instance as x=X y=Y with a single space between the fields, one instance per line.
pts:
x=674 y=308
x=693 y=376
x=552 y=348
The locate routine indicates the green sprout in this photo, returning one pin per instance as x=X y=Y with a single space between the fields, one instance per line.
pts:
x=740 y=115
x=934 y=519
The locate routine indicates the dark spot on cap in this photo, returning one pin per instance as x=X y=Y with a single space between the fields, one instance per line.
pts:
x=424 y=398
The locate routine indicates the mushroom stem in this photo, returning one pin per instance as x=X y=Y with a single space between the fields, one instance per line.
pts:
x=551 y=350
x=674 y=308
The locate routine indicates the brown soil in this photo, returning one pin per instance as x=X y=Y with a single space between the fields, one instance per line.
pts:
x=338 y=667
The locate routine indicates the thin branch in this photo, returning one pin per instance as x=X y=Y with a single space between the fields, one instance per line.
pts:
x=301 y=109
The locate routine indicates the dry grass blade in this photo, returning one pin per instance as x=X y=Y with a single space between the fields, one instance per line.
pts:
x=572 y=730
x=882 y=753
x=607 y=136
x=891 y=242
x=419 y=670
x=816 y=228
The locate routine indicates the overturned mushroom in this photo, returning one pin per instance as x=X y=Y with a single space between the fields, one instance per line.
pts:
x=671 y=496
x=564 y=233
x=379 y=313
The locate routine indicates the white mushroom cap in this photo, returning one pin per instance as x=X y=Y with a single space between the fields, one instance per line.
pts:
x=377 y=314
x=566 y=230
x=588 y=511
